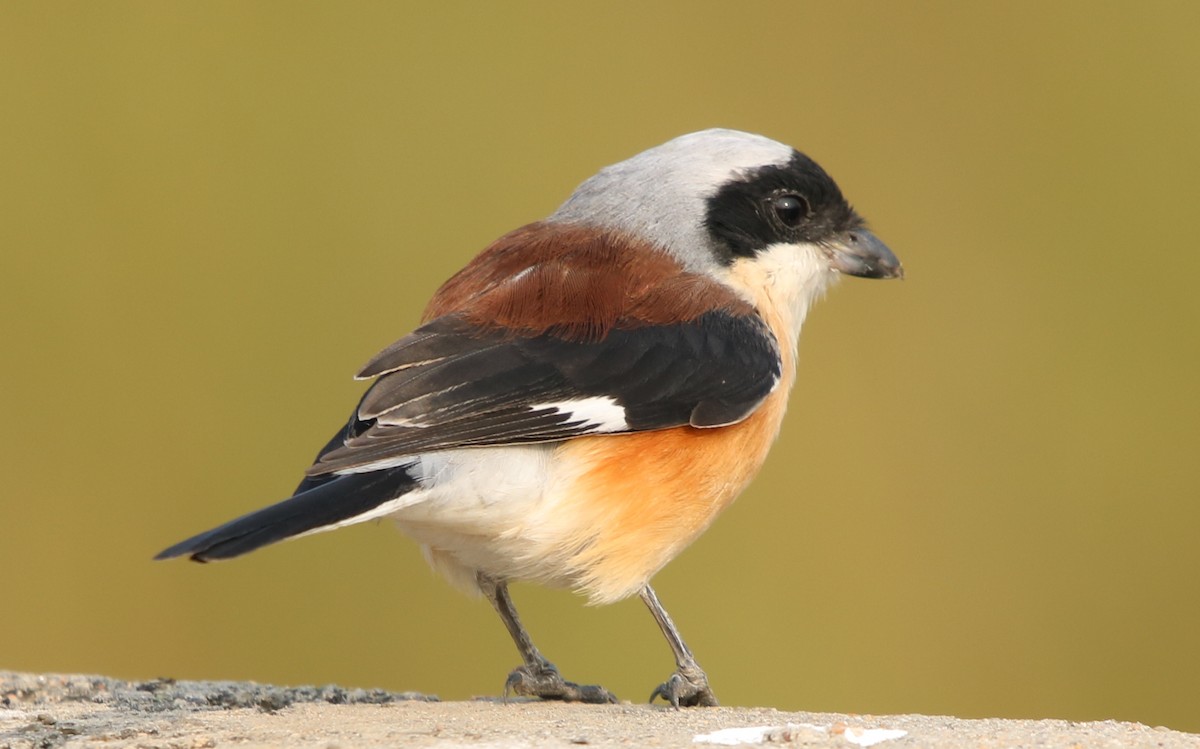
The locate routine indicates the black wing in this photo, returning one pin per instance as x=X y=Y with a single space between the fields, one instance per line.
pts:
x=450 y=384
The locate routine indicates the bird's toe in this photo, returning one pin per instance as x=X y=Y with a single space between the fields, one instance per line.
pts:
x=687 y=687
x=544 y=682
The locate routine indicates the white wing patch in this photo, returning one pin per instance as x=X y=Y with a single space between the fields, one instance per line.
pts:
x=599 y=413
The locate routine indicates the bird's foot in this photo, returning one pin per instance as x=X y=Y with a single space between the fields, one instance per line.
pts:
x=687 y=687
x=544 y=681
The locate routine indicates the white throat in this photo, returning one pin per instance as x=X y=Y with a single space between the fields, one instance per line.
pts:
x=782 y=281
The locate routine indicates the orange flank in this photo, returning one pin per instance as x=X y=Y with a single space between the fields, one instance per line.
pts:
x=641 y=498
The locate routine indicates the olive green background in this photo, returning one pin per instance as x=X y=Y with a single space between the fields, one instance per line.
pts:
x=985 y=498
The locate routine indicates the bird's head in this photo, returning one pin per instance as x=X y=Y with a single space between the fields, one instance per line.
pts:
x=743 y=208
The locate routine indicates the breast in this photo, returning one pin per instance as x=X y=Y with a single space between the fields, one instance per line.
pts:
x=623 y=507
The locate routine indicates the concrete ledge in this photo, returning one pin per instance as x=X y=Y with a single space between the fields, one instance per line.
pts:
x=50 y=710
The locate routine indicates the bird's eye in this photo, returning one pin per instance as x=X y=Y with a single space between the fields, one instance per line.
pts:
x=791 y=209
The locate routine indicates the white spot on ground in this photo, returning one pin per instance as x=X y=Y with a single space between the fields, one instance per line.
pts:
x=759 y=734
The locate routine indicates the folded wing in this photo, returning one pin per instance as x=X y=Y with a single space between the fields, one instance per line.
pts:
x=452 y=385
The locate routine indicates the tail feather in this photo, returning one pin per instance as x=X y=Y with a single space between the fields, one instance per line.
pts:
x=326 y=505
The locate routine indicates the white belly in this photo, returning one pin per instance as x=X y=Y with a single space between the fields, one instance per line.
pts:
x=477 y=511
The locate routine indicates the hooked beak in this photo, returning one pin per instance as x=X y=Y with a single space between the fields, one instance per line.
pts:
x=860 y=253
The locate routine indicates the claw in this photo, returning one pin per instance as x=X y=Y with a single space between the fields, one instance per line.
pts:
x=546 y=683
x=687 y=687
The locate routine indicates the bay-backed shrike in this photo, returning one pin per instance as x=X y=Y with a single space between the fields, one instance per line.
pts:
x=587 y=394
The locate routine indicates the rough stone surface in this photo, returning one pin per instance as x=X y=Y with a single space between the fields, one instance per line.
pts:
x=52 y=710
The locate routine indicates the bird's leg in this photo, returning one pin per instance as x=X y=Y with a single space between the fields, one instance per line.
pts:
x=688 y=686
x=538 y=677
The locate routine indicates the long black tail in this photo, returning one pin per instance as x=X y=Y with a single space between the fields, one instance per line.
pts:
x=326 y=504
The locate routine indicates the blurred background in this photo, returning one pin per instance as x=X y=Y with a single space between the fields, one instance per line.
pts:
x=984 y=501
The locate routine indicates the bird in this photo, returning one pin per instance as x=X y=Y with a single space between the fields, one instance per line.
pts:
x=585 y=396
